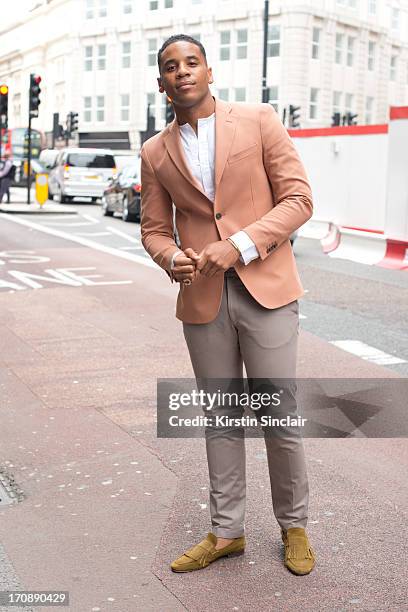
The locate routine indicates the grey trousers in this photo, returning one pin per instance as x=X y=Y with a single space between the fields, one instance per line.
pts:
x=265 y=340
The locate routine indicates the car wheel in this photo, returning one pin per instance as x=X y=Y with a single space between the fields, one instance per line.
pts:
x=105 y=208
x=126 y=216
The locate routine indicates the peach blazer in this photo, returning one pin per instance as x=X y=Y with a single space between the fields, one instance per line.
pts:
x=261 y=187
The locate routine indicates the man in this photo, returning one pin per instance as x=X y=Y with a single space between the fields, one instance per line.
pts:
x=6 y=176
x=239 y=190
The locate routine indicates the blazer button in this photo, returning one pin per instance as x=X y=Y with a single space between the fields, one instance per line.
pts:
x=218 y=216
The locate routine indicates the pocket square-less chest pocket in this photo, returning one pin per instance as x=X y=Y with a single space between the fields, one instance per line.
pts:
x=247 y=152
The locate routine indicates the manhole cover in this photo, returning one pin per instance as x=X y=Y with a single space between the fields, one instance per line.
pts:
x=10 y=492
x=4 y=496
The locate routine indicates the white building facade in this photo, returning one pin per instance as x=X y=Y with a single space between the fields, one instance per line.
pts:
x=99 y=58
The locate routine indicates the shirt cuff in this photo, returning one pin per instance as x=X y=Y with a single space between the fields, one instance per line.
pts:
x=249 y=252
x=173 y=257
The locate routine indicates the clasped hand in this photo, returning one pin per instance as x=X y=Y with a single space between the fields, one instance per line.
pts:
x=215 y=258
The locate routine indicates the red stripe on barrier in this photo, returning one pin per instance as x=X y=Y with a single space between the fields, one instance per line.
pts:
x=395 y=255
x=341 y=130
x=363 y=229
x=398 y=112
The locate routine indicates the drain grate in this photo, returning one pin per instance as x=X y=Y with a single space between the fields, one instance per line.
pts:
x=10 y=493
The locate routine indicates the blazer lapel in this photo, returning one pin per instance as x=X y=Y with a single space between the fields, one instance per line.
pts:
x=175 y=149
x=225 y=125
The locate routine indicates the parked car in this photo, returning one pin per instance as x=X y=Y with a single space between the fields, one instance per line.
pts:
x=48 y=158
x=123 y=194
x=81 y=173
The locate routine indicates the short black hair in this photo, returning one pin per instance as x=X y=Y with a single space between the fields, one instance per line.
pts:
x=176 y=38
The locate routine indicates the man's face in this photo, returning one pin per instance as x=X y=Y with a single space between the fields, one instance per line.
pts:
x=184 y=74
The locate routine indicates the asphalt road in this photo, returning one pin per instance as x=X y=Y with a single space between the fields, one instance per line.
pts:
x=87 y=329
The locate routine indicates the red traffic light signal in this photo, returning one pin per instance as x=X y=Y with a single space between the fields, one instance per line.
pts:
x=35 y=90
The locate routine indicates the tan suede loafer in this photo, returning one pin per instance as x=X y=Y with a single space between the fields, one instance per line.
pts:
x=204 y=553
x=299 y=555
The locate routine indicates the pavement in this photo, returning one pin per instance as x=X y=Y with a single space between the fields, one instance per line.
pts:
x=19 y=206
x=106 y=505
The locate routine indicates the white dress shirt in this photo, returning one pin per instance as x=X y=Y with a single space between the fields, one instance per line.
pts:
x=199 y=150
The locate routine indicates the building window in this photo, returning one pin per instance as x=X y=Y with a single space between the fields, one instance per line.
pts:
x=88 y=58
x=393 y=67
x=126 y=51
x=223 y=94
x=240 y=94
x=124 y=107
x=225 y=45
x=350 y=50
x=242 y=44
x=87 y=108
x=89 y=9
x=339 y=48
x=273 y=91
x=101 y=57
x=151 y=51
x=314 y=93
x=316 y=43
x=349 y=102
x=348 y=3
x=103 y=8
x=369 y=109
x=337 y=101
x=153 y=5
x=273 y=41
x=17 y=106
x=371 y=55
x=151 y=99
x=372 y=7
x=100 y=108
x=127 y=6
x=168 y=3
x=196 y=36
x=395 y=18
x=196 y=1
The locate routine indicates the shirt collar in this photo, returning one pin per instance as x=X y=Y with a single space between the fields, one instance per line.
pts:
x=209 y=119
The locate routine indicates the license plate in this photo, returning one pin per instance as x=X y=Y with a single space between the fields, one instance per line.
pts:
x=93 y=177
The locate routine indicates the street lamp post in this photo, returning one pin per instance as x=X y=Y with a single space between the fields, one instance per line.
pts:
x=265 y=89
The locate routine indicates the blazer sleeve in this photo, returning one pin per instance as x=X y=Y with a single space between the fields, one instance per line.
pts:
x=156 y=217
x=291 y=191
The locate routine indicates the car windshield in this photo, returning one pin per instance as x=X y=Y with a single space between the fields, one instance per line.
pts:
x=90 y=160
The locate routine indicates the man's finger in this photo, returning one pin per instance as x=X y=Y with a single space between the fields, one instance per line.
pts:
x=182 y=260
x=184 y=269
x=190 y=252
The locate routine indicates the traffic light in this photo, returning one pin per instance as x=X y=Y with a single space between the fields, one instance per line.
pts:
x=335 y=119
x=73 y=122
x=351 y=118
x=3 y=105
x=35 y=90
x=294 y=116
x=169 y=111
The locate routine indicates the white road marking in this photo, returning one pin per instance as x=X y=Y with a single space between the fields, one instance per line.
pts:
x=130 y=248
x=302 y=316
x=123 y=234
x=144 y=261
x=93 y=234
x=89 y=220
x=367 y=352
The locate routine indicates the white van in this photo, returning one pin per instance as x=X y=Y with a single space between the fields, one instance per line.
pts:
x=80 y=173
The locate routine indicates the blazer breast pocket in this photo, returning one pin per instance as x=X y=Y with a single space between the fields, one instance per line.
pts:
x=247 y=152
